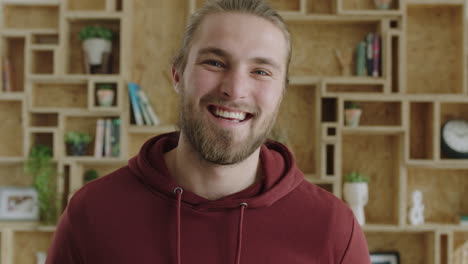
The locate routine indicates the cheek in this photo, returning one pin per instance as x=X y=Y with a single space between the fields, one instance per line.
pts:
x=200 y=82
x=268 y=98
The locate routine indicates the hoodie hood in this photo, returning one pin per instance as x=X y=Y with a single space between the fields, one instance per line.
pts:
x=280 y=176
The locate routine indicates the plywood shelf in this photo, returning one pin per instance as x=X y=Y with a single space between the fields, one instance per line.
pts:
x=32 y=2
x=373 y=130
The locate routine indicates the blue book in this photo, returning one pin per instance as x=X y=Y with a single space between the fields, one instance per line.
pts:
x=132 y=90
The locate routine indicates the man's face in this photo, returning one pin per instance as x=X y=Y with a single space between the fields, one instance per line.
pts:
x=232 y=86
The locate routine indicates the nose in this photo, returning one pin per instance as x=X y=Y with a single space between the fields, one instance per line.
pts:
x=234 y=85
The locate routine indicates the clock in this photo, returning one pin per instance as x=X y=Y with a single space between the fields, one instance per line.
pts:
x=454 y=138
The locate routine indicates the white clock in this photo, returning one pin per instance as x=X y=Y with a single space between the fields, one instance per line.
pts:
x=454 y=139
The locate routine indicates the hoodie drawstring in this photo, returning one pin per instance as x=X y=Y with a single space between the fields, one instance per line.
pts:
x=179 y=192
x=239 y=238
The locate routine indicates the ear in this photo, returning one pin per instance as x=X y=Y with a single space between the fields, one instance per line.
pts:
x=176 y=78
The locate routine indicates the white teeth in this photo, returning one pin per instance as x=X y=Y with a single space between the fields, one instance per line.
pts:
x=235 y=115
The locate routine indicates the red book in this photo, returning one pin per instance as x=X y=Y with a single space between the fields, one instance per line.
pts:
x=376 y=57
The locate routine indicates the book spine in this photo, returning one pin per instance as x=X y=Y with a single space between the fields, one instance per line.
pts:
x=98 y=146
x=132 y=88
x=149 y=108
x=116 y=137
x=144 y=111
x=7 y=86
x=108 y=138
x=361 y=59
x=369 y=53
x=376 y=57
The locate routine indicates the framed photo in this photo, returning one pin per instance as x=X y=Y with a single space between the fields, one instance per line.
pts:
x=18 y=203
x=385 y=258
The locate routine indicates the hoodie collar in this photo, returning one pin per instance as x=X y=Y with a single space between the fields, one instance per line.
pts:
x=280 y=175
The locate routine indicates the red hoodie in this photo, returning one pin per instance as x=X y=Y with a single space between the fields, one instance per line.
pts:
x=133 y=215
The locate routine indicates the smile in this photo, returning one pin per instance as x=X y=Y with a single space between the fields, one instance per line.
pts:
x=230 y=115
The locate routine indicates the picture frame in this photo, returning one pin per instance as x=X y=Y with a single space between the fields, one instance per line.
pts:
x=19 y=203
x=385 y=257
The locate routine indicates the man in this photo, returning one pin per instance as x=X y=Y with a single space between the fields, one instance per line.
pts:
x=217 y=192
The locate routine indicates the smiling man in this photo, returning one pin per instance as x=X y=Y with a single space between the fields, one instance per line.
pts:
x=217 y=191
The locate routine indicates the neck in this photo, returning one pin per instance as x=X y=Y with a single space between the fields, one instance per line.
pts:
x=209 y=180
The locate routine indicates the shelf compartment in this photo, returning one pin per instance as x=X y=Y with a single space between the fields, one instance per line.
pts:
x=435 y=57
x=297 y=119
x=321 y=6
x=421 y=130
x=46 y=139
x=60 y=95
x=329 y=109
x=324 y=38
x=449 y=111
x=27 y=243
x=86 y=124
x=13 y=175
x=378 y=157
x=44 y=120
x=14 y=48
x=367 y=5
x=379 y=113
x=11 y=118
x=88 y=5
x=75 y=53
x=354 y=88
x=42 y=62
x=443 y=193
x=413 y=247
x=45 y=39
x=30 y=17
x=460 y=239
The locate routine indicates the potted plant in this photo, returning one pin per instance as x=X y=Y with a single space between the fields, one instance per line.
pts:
x=356 y=194
x=40 y=166
x=105 y=94
x=90 y=175
x=78 y=142
x=382 y=4
x=352 y=114
x=96 y=42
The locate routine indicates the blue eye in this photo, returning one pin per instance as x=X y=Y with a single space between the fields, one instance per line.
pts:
x=260 y=72
x=214 y=63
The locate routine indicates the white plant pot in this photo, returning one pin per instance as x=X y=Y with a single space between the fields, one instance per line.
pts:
x=352 y=117
x=357 y=196
x=95 y=49
x=41 y=257
x=105 y=97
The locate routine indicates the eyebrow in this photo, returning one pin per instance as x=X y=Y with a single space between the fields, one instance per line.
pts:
x=222 y=53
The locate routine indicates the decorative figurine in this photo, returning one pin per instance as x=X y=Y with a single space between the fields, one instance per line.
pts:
x=416 y=214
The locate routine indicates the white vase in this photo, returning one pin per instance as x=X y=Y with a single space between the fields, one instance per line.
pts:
x=357 y=195
x=41 y=257
x=105 y=97
x=95 y=49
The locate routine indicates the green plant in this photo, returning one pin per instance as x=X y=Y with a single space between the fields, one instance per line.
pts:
x=90 y=175
x=352 y=105
x=95 y=32
x=356 y=177
x=39 y=165
x=77 y=138
x=104 y=86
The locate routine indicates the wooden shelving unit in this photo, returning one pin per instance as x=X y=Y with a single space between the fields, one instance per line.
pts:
x=422 y=85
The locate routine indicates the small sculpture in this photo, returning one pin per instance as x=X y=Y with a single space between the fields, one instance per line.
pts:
x=416 y=214
x=356 y=194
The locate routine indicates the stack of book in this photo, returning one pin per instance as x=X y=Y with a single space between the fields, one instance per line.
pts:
x=107 y=143
x=368 y=56
x=142 y=111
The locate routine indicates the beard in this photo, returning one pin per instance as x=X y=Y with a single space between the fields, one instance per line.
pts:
x=215 y=144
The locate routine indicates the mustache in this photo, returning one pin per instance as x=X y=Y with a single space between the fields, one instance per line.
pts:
x=243 y=107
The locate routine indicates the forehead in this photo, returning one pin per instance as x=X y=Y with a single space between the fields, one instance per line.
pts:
x=241 y=35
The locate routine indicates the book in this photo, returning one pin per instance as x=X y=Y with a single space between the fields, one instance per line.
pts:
x=107 y=144
x=376 y=57
x=370 y=53
x=149 y=108
x=116 y=137
x=99 y=142
x=361 y=59
x=132 y=89
x=146 y=117
x=7 y=76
